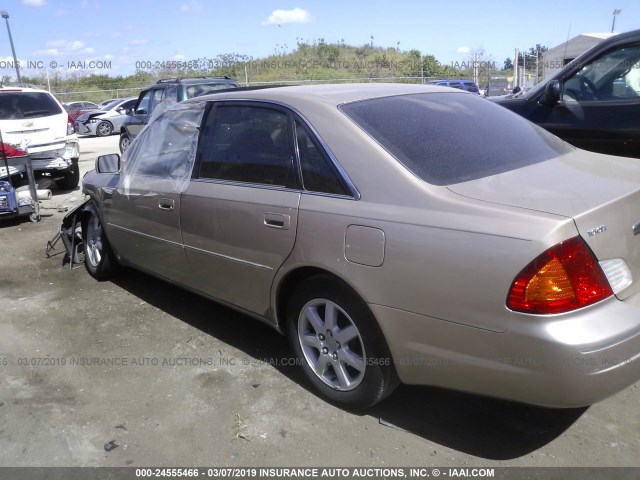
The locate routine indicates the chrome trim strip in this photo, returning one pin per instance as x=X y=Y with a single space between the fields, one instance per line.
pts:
x=200 y=250
x=636 y=228
x=146 y=235
x=264 y=186
x=226 y=257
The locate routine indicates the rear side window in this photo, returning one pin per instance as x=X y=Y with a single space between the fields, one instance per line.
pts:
x=447 y=138
x=318 y=172
x=18 y=105
x=247 y=144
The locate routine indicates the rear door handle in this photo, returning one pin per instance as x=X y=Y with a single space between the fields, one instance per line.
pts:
x=165 y=204
x=277 y=220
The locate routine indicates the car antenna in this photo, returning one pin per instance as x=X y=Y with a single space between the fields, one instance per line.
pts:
x=566 y=45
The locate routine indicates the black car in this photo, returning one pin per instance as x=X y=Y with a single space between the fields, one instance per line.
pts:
x=594 y=101
x=169 y=91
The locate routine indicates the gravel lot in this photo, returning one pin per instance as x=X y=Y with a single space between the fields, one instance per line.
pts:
x=174 y=379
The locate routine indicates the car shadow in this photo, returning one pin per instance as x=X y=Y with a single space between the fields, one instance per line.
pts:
x=485 y=427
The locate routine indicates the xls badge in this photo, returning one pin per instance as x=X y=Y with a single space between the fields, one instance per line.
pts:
x=597 y=230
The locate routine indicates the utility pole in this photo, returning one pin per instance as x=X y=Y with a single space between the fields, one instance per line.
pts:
x=475 y=67
x=5 y=15
x=616 y=12
x=515 y=70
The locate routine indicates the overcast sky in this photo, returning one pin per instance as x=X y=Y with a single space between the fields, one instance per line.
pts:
x=126 y=32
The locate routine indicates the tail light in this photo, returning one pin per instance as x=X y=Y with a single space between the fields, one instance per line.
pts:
x=71 y=126
x=565 y=277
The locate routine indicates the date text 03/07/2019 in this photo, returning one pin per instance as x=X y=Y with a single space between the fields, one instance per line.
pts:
x=315 y=472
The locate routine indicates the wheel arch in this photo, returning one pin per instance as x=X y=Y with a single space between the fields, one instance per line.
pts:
x=290 y=281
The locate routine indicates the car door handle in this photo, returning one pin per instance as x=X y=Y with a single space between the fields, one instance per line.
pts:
x=165 y=204
x=277 y=220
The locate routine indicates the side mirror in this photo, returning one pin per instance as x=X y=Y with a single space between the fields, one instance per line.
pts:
x=141 y=112
x=551 y=93
x=108 y=163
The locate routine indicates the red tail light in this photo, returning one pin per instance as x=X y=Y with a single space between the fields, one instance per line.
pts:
x=565 y=277
x=71 y=125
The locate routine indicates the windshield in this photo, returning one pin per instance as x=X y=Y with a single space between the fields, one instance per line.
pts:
x=18 y=105
x=110 y=105
x=447 y=138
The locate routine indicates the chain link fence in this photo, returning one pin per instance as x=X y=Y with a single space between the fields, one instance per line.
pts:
x=98 y=96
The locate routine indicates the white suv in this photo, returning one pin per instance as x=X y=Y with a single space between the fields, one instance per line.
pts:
x=32 y=118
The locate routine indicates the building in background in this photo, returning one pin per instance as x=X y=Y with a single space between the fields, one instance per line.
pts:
x=557 y=57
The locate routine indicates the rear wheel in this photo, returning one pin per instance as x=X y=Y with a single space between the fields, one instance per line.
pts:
x=339 y=344
x=71 y=177
x=104 y=129
x=99 y=259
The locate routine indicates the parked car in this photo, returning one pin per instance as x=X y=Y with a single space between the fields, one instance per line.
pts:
x=593 y=102
x=32 y=118
x=107 y=120
x=166 y=92
x=106 y=102
x=75 y=109
x=392 y=233
x=466 y=85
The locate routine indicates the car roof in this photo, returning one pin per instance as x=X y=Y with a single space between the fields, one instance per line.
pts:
x=9 y=88
x=194 y=80
x=451 y=80
x=334 y=94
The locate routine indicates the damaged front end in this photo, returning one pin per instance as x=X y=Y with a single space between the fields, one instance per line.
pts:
x=71 y=235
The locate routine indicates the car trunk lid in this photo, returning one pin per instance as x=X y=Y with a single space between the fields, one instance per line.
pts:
x=601 y=193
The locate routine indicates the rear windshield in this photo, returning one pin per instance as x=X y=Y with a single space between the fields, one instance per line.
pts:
x=447 y=138
x=17 y=105
x=205 y=89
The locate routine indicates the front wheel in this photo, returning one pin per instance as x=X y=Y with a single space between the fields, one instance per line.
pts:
x=99 y=259
x=104 y=129
x=341 y=348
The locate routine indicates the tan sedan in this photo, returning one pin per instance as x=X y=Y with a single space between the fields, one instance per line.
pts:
x=394 y=232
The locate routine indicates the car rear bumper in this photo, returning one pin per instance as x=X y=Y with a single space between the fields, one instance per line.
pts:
x=12 y=171
x=55 y=157
x=568 y=360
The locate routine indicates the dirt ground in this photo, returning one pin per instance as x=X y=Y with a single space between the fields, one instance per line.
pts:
x=174 y=379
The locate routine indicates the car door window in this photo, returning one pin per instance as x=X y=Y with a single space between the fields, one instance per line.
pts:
x=318 y=172
x=166 y=149
x=143 y=105
x=127 y=105
x=158 y=95
x=247 y=144
x=612 y=76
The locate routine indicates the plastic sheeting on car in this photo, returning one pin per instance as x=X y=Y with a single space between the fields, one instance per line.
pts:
x=162 y=156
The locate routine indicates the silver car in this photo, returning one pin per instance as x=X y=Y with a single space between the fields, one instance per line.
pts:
x=394 y=233
x=107 y=120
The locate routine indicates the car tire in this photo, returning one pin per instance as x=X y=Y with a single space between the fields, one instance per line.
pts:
x=125 y=141
x=104 y=129
x=339 y=344
x=99 y=259
x=71 y=178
